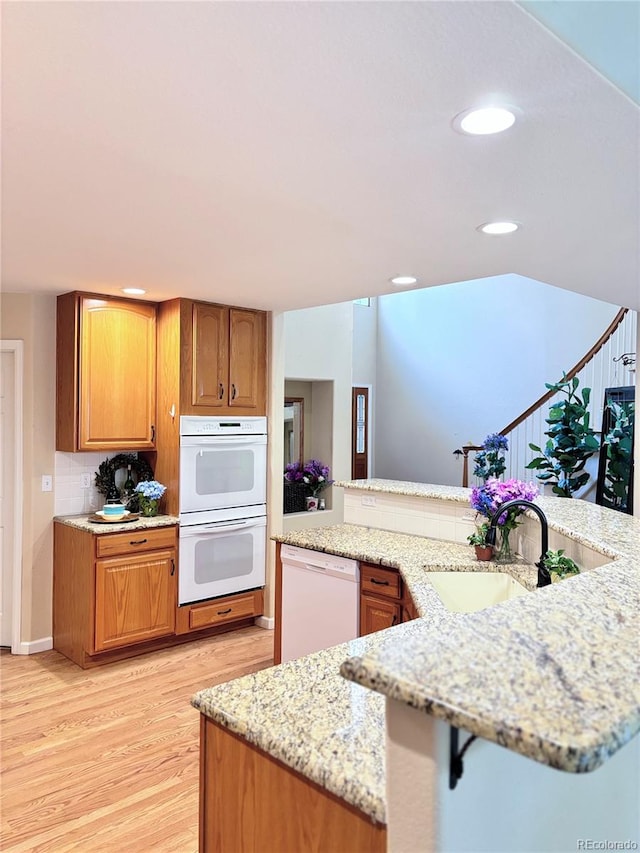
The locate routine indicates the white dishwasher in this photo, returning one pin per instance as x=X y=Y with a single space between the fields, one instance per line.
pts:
x=320 y=601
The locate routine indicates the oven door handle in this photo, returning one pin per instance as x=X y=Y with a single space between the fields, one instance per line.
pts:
x=224 y=440
x=217 y=526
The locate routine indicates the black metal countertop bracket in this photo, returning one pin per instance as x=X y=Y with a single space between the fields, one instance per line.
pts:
x=456 y=766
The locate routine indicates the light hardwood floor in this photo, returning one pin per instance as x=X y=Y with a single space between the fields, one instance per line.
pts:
x=106 y=760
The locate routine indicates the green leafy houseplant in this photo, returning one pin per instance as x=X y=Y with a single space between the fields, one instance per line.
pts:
x=618 y=446
x=483 y=550
x=559 y=566
x=480 y=535
x=571 y=440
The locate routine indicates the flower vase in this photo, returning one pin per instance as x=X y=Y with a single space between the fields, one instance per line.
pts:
x=503 y=553
x=148 y=506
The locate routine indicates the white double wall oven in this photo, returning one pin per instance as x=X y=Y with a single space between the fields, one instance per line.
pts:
x=223 y=494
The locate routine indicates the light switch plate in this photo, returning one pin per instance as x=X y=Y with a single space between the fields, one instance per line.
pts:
x=368 y=500
x=85 y=481
x=47 y=483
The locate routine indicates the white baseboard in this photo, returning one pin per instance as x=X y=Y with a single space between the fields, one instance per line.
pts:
x=267 y=622
x=44 y=644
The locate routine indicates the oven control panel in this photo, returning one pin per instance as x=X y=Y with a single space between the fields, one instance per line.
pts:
x=204 y=425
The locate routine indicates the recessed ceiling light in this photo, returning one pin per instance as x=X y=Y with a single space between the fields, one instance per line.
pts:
x=404 y=281
x=497 y=228
x=484 y=121
x=133 y=291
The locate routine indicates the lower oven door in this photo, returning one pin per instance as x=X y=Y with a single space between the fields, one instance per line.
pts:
x=221 y=558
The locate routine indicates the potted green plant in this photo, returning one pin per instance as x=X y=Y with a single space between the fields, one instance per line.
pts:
x=571 y=440
x=559 y=566
x=483 y=551
x=617 y=445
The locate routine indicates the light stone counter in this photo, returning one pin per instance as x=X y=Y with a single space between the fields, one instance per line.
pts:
x=554 y=675
x=82 y=523
x=303 y=714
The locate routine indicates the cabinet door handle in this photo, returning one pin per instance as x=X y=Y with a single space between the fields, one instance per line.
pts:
x=233 y=391
x=220 y=391
x=153 y=432
x=224 y=612
x=137 y=542
x=395 y=619
x=379 y=583
x=173 y=567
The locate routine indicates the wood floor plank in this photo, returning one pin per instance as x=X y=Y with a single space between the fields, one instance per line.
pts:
x=107 y=759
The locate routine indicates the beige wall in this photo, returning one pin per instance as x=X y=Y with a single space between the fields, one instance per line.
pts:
x=31 y=318
x=318 y=348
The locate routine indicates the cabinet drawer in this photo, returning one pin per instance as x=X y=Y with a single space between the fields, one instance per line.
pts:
x=132 y=541
x=227 y=609
x=380 y=581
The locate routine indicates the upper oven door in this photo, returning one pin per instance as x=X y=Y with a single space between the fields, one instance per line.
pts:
x=222 y=471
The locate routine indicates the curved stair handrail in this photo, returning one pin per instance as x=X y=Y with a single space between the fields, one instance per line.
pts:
x=595 y=349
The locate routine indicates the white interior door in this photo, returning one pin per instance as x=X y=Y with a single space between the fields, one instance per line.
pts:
x=7 y=505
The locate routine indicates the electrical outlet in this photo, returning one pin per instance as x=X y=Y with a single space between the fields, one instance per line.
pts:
x=85 y=481
x=47 y=483
x=368 y=500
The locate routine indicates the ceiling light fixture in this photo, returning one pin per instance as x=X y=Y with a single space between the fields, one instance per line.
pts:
x=498 y=228
x=484 y=121
x=404 y=281
x=133 y=291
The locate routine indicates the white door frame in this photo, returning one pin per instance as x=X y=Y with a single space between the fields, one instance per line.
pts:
x=17 y=348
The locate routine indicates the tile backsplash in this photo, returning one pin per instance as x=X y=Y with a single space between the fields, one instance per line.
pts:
x=70 y=498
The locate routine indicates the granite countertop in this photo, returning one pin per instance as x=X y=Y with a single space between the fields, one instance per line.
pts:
x=567 y=691
x=83 y=523
x=302 y=713
x=554 y=675
x=414 y=556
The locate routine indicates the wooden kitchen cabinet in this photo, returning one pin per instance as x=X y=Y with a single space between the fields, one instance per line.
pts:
x=112 y=592
x=212 y=360
x=237 y=608
x=228 y=360
x=106 y=373
x=135 y=599
x=384 y=599
x=377 y=613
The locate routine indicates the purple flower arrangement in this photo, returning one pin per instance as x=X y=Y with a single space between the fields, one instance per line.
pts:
x=489 y=462
x=487 y=499
x=313 y=474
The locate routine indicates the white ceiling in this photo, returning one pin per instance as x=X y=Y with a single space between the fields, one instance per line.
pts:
x=281 y=155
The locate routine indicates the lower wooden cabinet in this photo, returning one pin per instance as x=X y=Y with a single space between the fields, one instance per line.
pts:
x=376 y=614
x=219 y=611
x=384 y=599
x=115 y=595
x=135 y=599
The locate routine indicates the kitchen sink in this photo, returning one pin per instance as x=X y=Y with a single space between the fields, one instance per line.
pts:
x=464 y=592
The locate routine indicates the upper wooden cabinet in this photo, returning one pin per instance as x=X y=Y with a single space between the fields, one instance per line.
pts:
x=222 y=358
x=106 y=373
x=212 y=360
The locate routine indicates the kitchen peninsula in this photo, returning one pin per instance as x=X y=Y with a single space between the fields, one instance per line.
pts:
x=551 y=675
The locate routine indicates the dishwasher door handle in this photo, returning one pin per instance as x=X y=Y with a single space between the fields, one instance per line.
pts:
x=309 y=567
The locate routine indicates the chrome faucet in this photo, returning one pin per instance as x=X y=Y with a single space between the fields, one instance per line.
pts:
x=544 y=578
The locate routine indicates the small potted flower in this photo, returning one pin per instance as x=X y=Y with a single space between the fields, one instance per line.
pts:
x=149 y=494
x=484 y=552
